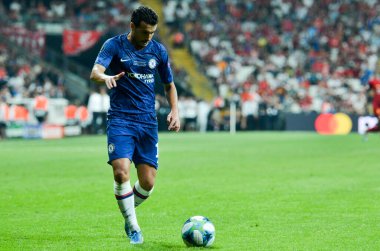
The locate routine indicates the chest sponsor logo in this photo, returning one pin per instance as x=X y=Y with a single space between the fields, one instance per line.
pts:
x=146 y=78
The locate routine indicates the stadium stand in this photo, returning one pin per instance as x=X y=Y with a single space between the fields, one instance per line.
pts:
x=270 y=58
x=290 y=56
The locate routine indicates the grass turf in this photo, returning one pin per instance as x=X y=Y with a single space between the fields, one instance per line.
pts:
x=263 y=191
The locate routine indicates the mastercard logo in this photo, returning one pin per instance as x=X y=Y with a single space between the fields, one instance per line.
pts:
x=333 y=124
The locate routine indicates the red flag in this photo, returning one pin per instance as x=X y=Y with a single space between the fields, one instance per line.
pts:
x=75 y=41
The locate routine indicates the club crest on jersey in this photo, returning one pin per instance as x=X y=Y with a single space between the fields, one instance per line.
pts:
x=111 y=147
x=152 y=63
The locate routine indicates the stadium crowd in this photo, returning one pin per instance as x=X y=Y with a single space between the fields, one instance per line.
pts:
x=268 y=57
x=23 y=75
x=82 y=14
x=285 y=55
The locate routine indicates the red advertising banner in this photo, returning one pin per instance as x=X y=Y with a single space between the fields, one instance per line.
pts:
x=34 y=41
x=75 y=41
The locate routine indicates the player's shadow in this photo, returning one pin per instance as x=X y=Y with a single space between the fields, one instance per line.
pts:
x=172 y=246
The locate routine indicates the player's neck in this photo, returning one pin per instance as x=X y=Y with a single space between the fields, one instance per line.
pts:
x=132 y=41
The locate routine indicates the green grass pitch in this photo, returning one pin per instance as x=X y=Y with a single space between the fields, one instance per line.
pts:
x=263 y=191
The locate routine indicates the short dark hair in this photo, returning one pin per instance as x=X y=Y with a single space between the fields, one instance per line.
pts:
x=144 y=14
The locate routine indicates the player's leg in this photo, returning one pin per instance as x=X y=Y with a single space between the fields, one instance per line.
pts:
x=143 y=187
x=123 y=192
x=376 y=111
x=146 y=160
x=121 y=145
x=376 y=128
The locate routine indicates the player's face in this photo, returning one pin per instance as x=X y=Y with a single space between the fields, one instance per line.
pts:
x=142 y=34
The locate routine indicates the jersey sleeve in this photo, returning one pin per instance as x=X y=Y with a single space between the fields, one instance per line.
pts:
x=106 y=54
x=164 y=68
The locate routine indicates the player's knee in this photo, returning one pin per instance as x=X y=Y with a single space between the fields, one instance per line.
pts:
x=120 y=171
x=147 y=184
x=120 y=176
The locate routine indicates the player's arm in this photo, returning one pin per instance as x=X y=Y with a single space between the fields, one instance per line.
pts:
x=173 y=117
x=98 y=76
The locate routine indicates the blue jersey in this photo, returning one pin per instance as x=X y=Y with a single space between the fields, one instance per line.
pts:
x=134 y=94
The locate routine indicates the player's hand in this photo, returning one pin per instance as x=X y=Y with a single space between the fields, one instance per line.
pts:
x=111 y=80
x=173 y=121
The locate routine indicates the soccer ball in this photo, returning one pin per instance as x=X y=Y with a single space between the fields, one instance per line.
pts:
x=198 y=231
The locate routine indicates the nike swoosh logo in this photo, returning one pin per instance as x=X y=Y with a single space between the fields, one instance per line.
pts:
x=124 y=60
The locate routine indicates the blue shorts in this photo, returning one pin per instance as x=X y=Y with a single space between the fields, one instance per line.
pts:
x=132 y=140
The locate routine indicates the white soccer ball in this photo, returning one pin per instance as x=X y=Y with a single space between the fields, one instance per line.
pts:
x=198 y=231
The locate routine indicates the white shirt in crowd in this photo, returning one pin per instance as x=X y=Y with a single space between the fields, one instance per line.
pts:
x=251 y=107
x=98 y=102
x=203 y=111
x=191 y=108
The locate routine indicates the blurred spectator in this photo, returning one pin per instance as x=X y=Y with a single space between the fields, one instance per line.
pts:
x=202 y=115
x=190 y=113
x=83 y=116
x=98 y=105
x=250 y=101
x=18 y=114
x=178 y=39
x=40 y=107
x=4 y=116
x=374 y=87
x=71 y=114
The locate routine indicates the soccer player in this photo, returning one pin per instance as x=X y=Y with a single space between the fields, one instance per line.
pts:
x=131 y=61
x=374 y=85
